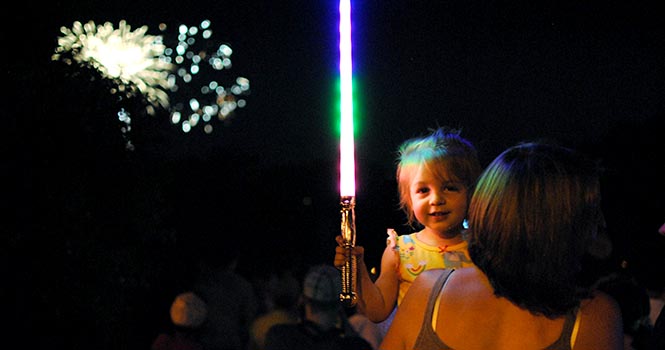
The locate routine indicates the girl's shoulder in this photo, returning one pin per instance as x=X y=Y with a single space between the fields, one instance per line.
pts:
x=408 y=237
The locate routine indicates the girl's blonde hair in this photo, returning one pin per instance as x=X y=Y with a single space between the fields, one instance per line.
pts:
x=445 y=153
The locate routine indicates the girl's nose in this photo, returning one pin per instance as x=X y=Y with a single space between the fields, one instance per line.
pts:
x=437 y=199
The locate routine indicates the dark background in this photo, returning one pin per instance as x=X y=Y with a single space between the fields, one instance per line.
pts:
x=99 y=239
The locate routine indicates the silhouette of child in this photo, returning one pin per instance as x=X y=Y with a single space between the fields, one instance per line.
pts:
x=323 y=325
x=188 y=313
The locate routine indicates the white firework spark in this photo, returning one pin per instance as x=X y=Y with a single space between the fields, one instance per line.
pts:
x=130 y=57
x=197 y=78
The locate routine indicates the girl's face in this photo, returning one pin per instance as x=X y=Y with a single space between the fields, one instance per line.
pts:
x=439 y=204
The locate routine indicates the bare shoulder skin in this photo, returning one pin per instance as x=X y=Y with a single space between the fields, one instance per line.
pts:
x=601 y=325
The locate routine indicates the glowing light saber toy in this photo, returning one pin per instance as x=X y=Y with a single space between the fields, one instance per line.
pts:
x=347 y=159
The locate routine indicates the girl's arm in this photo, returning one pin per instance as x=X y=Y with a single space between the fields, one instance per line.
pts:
x=375 y=300
x=378 y=299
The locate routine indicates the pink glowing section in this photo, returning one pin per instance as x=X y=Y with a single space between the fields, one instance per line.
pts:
x=347 y=160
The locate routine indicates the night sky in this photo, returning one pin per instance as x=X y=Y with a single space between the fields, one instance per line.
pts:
x=100 y=238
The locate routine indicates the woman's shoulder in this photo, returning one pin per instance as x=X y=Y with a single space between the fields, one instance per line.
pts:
x=600 y=324
x=599 y=302
x=601 y=306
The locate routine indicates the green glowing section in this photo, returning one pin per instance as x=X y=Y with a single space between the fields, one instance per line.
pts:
x=336 y=109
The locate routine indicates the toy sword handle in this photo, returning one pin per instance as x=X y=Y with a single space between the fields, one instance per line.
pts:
x=349 y=270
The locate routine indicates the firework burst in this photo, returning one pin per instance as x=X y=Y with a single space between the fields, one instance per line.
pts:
x=132 y=58
x=181 y=77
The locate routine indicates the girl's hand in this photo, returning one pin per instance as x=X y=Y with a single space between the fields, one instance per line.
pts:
x=391 y=241
x=341 y=252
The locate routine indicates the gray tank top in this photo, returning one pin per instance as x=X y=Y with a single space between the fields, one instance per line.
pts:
x=429 y=340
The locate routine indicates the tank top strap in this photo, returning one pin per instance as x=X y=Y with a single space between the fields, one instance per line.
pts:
x=434 y=297
x=567 y=338
x=427 y=338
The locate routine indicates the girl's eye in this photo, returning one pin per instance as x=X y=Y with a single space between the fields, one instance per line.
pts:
x=452 y=188
x=422 y=190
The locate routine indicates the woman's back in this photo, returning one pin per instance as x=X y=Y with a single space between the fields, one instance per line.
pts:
x=494 y=321
x=469 y=316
